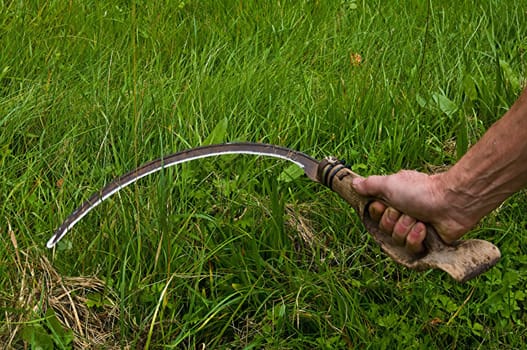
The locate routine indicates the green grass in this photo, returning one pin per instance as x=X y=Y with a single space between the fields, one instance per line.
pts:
x=223 y=253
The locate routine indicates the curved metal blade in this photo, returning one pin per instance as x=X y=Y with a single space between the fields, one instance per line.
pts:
x=302 y=160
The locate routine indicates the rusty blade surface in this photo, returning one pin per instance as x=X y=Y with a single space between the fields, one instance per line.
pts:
x=308 y=164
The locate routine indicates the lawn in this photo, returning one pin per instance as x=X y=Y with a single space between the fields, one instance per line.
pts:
x=230 y=252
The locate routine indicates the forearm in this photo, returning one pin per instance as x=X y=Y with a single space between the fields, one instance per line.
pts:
x=494 y=168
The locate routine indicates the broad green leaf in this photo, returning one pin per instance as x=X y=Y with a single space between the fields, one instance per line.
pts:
x=512 y=78
x=446 y=105
x=359 y=168
x=97 y=300
x=218 y=133
x=469 y=87
x=65 y=335
x=64 y=244
x=290 y=173
x=37 y=337
x=477 y=328
x=421 y=101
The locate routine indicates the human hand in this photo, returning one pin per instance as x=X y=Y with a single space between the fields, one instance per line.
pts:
x=413 y=199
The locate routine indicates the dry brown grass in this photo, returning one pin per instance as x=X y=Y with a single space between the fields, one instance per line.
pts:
x=39 y=287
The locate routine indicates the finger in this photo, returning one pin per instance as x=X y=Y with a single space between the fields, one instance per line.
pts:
x=376 y=209
x=388 y=220
x=373 y=186
x=416 y=237
x=402 y=228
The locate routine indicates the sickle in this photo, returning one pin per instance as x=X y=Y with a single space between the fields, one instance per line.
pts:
x=463 y=259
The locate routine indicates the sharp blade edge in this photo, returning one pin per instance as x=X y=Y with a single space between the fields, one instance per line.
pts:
x=307 y=163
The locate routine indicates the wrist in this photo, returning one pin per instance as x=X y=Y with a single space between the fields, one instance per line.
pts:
x=458 y=199
x=458 y=208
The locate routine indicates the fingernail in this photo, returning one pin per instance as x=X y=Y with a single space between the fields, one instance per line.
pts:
x=416 y=236
x=420 y=230
x=407 y=220
x=392 y=214
x=373 y=211
x=417 y=228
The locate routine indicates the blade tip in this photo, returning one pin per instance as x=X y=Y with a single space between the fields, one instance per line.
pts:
x=51 y=243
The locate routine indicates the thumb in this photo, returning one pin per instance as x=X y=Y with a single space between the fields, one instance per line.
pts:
x=373 y=186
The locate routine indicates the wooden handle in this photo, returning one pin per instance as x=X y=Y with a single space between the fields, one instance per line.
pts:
x=463 y=260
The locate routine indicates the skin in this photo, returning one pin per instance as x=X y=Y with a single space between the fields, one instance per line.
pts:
x=456 y=200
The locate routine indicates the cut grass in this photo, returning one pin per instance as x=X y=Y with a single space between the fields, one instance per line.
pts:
x=221 y=253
